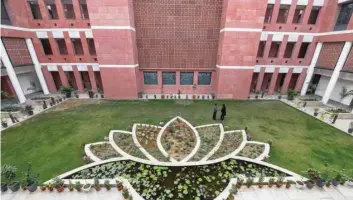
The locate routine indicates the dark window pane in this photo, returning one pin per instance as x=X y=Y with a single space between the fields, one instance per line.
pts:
x=5 y=19
x=68 y=9
x=77 y=45
x=303 y=49
x=298 y=15
x=84 y=9
x=61 y=46
x=33 y=4
x=46 y=46
x=313 y=15
x=274 y=49
x=260 y=50
x=344 y=16
x=283 y=14
x=204 y=78
x=289 y=50
x=168 y=78
x=268 y=14
x=51 y=9
x=150 y=78
x=91 y=47
x=186 y=78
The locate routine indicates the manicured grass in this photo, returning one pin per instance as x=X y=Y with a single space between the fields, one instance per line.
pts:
x=53 y=141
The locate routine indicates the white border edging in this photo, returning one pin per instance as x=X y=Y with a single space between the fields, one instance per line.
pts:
x=89 y=152
x=218 y=144
x=137 y=143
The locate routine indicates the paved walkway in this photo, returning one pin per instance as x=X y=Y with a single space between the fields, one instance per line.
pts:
x=252 y=193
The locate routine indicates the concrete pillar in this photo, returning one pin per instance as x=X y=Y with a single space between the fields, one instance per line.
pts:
x=287 y=81
x=11 y=73
x=37 y=66
x=310 y=71
x=78 y=79
x=49 y=79
x=300 y=80
x=92 y=79
x=274 y=77
x=260 y=78
x=340 y=63
x=63 y=77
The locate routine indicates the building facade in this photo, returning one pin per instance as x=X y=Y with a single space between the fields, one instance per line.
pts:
x=228 y=48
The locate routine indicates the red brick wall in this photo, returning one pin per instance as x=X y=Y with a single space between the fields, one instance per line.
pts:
x=17 y=51
x=348 y=66
x=329 y=54
x=179 y=35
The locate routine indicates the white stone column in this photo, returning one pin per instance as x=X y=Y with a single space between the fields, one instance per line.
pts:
x=340 y=63
x=11 y=73
x=310 y=72
x=37 y=66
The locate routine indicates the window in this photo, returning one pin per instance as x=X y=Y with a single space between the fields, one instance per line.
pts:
x=289 y=50
x=274 y=49
x=91 y=47
x=51 y=9
x=46 y=46
x=298 y=15
x=268 y=14
x=204 y=78
x=344 y=16
x=168 y=78
x=68 y=9
x=77 y=45
x=33 y=4
x=84 y=10
x=5 y=19
x=61 y=46
x=313 y=15
x=283 y=14
x=303 y=49
x=150 y=78
x=260 y=50
x=186 y=78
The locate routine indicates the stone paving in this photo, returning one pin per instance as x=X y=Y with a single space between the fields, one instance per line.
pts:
x=252 y=193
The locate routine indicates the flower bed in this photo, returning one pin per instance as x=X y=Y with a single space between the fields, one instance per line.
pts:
x=209 y=136
x=126 y=143
x=178 y=139
x=104 y=151
x=337 y=110
x=40 y=98
x=230 y=143
x=252 y=150
x=147 y=137
x=193 y=182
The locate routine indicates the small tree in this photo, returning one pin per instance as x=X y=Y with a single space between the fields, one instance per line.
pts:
x=344 y=93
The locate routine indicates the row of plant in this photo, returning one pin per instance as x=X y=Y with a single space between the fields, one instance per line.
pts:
x=67 y=90
x=178 y=139
x=126 y=143
x=104 y=151
x=192 y=182
x=147 y=137
x=252 y=150
x=209 y=136
x=231 y=141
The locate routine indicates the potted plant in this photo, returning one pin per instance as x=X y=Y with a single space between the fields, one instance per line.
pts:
x=261 y=181
x=66 y=90
x=337 y=180
x=50 y=187
x=86 y=187
x=78 y=186
x=233 y=191
x=240 y=183
x=350 y=129
x=313 y=176
x=316 y=112
x=271 y=182
x=328 y=183
x=350 y=182
x=126 y=193
x=44 y=105
x=299 y=184
x=31 y=181
x=28 y=109
x=280 y=180
x=289 y=183
x=43 y=187
x=3 y=124
x=249 y=182
x=257 y=94
x=8 y=173
x=91 y=94
x=291 y=94
x=70 y=186
x=97 y=186
x=76 y=95
x=58 y=184
x=107 y=185
x=119 y=184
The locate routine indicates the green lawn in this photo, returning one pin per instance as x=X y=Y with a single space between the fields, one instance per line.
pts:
x=53 y=142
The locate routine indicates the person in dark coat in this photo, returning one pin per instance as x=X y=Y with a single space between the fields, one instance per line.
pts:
x=223 y=112
x=215 y=110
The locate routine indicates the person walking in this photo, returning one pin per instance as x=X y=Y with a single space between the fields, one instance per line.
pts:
x=215 y=110
x=223 y=112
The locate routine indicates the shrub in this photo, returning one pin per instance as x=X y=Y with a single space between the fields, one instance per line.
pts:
x=57 y=182
x=8 y=172
x=291 y=94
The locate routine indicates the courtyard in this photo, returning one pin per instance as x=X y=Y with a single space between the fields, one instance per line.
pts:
x=53 y=141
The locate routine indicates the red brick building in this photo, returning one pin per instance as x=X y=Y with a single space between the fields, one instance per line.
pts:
x=229 y=48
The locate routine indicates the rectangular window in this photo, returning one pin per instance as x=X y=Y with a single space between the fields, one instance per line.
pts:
x=51 y=9
x=62 y=46
x=68 y=9
x=91 y=47
x=283 y=14
x=268 y=14
x=186 y=78
x=5 y=19
x=35 y=10
x=204 y=78
x=150 y=78
x=274 y=49
x=261 y=49
x=298 y=14
x=303 y=49
x=168 y=78
x=77 y=45
x=46 y=46
x=84 y=9
x=344 y=16
x=313 y=15
x=289 y=50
